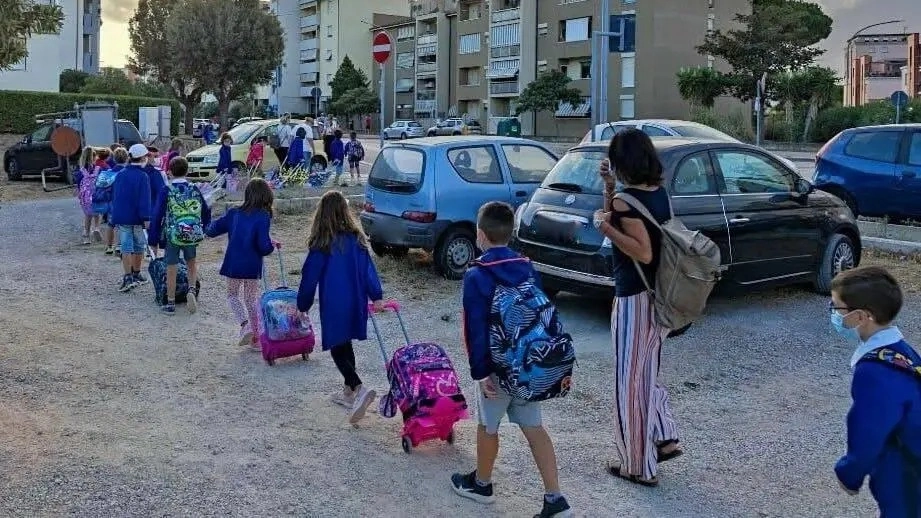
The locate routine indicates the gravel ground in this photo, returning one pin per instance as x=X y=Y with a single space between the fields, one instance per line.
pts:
x=108 y=408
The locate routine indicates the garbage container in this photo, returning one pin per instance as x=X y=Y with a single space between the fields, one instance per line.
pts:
x=510 y=127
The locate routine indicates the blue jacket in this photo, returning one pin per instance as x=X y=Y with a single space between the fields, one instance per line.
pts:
x=111 y=161
x=508 y=268
x=158 y=221
x=248 y=241
x=886 y=409
x=295 y=152
x=156 y=182
x=130 y=197
x=223 y=159
x=337 y=150
x=347 y=281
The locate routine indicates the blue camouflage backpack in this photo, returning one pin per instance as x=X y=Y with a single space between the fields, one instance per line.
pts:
x=183 y=220
x=531 y=355
x=103 y=191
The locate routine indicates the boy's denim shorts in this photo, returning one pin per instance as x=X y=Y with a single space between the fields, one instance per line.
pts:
x=171 y=254
x=131 y=239
x=339 y=167
x=490 y=412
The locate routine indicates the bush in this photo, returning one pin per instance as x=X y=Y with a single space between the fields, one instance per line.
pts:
x=733 y=124
x=832 y=121
x=18 y=108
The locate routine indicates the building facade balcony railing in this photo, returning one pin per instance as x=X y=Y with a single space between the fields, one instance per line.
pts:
x=307 y=3
x=425 y=95
x=309 y=22
x=91 y=23
x=508 y=51
x=427 y=39
x=310 y=55
x=425 y=106
x=503 y=88
x=426 y=68
x=310 y=44
x=505 y=15
x=310 y=77
x=309 y=68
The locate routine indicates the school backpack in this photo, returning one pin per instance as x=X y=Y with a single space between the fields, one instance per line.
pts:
x=183 y=208
x=356 y=151
x=689 y=267
x=905 y=364
x=531 y=355
x=103 y=191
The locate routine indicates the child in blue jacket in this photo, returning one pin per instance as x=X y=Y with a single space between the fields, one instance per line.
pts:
x=248 y=241
x=884 y=423
x=224 y=159
x=338 y=262
x=337 y=154
x=131 y=215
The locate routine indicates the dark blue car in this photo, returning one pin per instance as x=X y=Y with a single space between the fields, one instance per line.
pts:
x=876 y=170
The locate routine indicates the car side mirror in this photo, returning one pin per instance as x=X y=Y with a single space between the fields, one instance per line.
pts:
x=27 y=139
x=804 y=186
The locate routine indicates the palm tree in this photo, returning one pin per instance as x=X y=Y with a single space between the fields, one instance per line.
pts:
x=822 y=85
x=20 y=19
x=701 y=86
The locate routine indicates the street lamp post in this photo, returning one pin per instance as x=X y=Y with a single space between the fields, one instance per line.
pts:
x=847 y=55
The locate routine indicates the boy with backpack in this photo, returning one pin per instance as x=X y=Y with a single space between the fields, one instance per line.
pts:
x=181 y=215
x=499 y=288
x=131 y=215
x=355 y=153
x=884 y=423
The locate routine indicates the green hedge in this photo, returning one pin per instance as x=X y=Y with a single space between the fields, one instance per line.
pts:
x=18 y=108
x=832 y=121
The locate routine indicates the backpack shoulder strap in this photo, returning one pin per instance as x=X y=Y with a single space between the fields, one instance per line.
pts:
x=638 y=205
x=895 y=359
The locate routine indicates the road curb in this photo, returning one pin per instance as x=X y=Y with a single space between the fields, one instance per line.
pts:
x=892 y=245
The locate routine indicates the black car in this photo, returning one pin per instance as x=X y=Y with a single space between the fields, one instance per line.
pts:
x=33 y=153
x=771 y=225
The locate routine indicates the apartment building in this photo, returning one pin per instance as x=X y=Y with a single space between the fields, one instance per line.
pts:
x=318 y=36
x=75 y=47
x=879 y=65
x=475 y=57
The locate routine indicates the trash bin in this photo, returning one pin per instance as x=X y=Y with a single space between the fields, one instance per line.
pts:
x=510 y=127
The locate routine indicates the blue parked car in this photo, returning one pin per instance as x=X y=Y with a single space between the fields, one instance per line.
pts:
x=876 y=170
x=425 y=193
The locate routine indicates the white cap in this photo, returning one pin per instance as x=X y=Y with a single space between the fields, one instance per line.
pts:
x=137 y=151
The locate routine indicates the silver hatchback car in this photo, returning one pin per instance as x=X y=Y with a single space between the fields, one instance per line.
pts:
x=404 y=129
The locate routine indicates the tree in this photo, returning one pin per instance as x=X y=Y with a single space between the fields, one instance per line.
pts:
x=546 y=93
x=152 y=55
x=72 y=81
x=356 y=102
x=347 y=78
x=19 y=20
x=151 y=88
x=227 y=47
x=822 y=85
x=111 y=81
x=701 y=86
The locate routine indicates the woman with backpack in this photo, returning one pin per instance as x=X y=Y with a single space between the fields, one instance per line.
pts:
x=645 y=431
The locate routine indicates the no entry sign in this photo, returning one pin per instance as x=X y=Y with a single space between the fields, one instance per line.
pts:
x=381 y=47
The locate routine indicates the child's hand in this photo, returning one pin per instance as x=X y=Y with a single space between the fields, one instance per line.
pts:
x=846 y=490
x=378 y=306
x=276 y=244
x=488 y=388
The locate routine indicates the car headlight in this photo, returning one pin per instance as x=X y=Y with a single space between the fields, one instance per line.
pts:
x=210 y=159
x=518 y=213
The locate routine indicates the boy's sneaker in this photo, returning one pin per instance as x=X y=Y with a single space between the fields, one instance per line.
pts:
x=344 y=398
x=128 y=283
x=86 y=239
x=140 y=279
x=191 y=302
x=118 y=252
x=168 y=309
x=110 y=250
x=363 y=400
x=467 y=487
x=558 y=509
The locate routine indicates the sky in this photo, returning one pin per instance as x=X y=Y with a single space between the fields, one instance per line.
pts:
x=848 y=15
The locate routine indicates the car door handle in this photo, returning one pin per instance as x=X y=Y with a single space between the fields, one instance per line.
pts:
x=739 y=219
x=909 y=174
x=521 y=194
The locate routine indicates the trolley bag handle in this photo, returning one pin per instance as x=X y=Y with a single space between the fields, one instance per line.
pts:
x=390 y=305
x=282 y=277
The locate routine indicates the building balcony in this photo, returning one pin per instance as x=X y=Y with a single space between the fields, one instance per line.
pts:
x=427 y=39
x=309 y=68
x=311 y=77
x=504 y=88
x=307 y=3
x=425 y=106
x=426 y=68
x=310 y=44
x=505 y=15
x=425 y=95
x=309 y=22
x=91 y=23
x=310 y=55
x=509 y=51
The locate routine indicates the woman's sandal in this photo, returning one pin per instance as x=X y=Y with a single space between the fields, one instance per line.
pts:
x=662 y=456
x=615 y=471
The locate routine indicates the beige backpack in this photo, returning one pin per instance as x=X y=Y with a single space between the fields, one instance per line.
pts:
x=689 y=267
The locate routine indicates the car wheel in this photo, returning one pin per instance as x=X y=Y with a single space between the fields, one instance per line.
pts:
x=454 y=252
x=402 y=136
x=379 y=249
x=839 y=255
x=13 y=172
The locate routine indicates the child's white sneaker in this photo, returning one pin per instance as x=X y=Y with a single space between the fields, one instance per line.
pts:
x=191 y=302
x=86 y=239
x=344 y=398
x=363 y=400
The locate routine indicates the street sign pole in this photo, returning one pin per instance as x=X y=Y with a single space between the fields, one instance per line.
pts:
x=381 y=48
x=900 y=100
x=381 y=128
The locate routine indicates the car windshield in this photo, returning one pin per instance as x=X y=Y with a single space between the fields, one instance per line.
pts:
x=577 y=171
x=244 y=132
x=414 y=125
x=398 y=169
x=702 y=132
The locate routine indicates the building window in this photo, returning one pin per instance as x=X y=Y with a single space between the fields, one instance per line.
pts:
x=470 y=76
x=577 y=68
x=470 y=11
x=469 y=43
x=505 y=35
x=575 y=29
x=406 y=60
x=627 y=107
x=628 y=70
x=406 y=33
x=405 y=85
x=329 y=31
x=585 y=69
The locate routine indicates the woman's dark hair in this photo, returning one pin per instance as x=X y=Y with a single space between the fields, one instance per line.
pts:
x=337 y=133
x=258 y=196
x=635 y=159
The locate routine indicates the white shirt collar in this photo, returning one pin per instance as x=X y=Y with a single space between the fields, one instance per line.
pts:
x=880 y=339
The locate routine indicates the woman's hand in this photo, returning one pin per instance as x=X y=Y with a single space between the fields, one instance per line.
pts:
x=601 y=217
x=604 y=171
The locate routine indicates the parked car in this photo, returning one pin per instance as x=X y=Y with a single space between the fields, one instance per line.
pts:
x=657 y=128
x=771 y=225
x=455 y=126
x=876 y=170
x=404 y=129
x=425 y=193
x=243 y=120
x=33 y=152
x=203 y=161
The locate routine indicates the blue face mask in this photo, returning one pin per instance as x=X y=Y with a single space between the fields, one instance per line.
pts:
x=848 y=333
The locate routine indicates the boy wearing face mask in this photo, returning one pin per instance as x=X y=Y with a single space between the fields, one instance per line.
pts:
x=884 y=422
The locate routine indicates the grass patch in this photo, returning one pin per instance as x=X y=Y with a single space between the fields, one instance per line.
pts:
x=905 y=268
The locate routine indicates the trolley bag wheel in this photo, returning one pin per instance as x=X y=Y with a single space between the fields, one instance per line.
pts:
x=270 y=362
x=305 y=356
x=450 y=438
x=407 y=447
